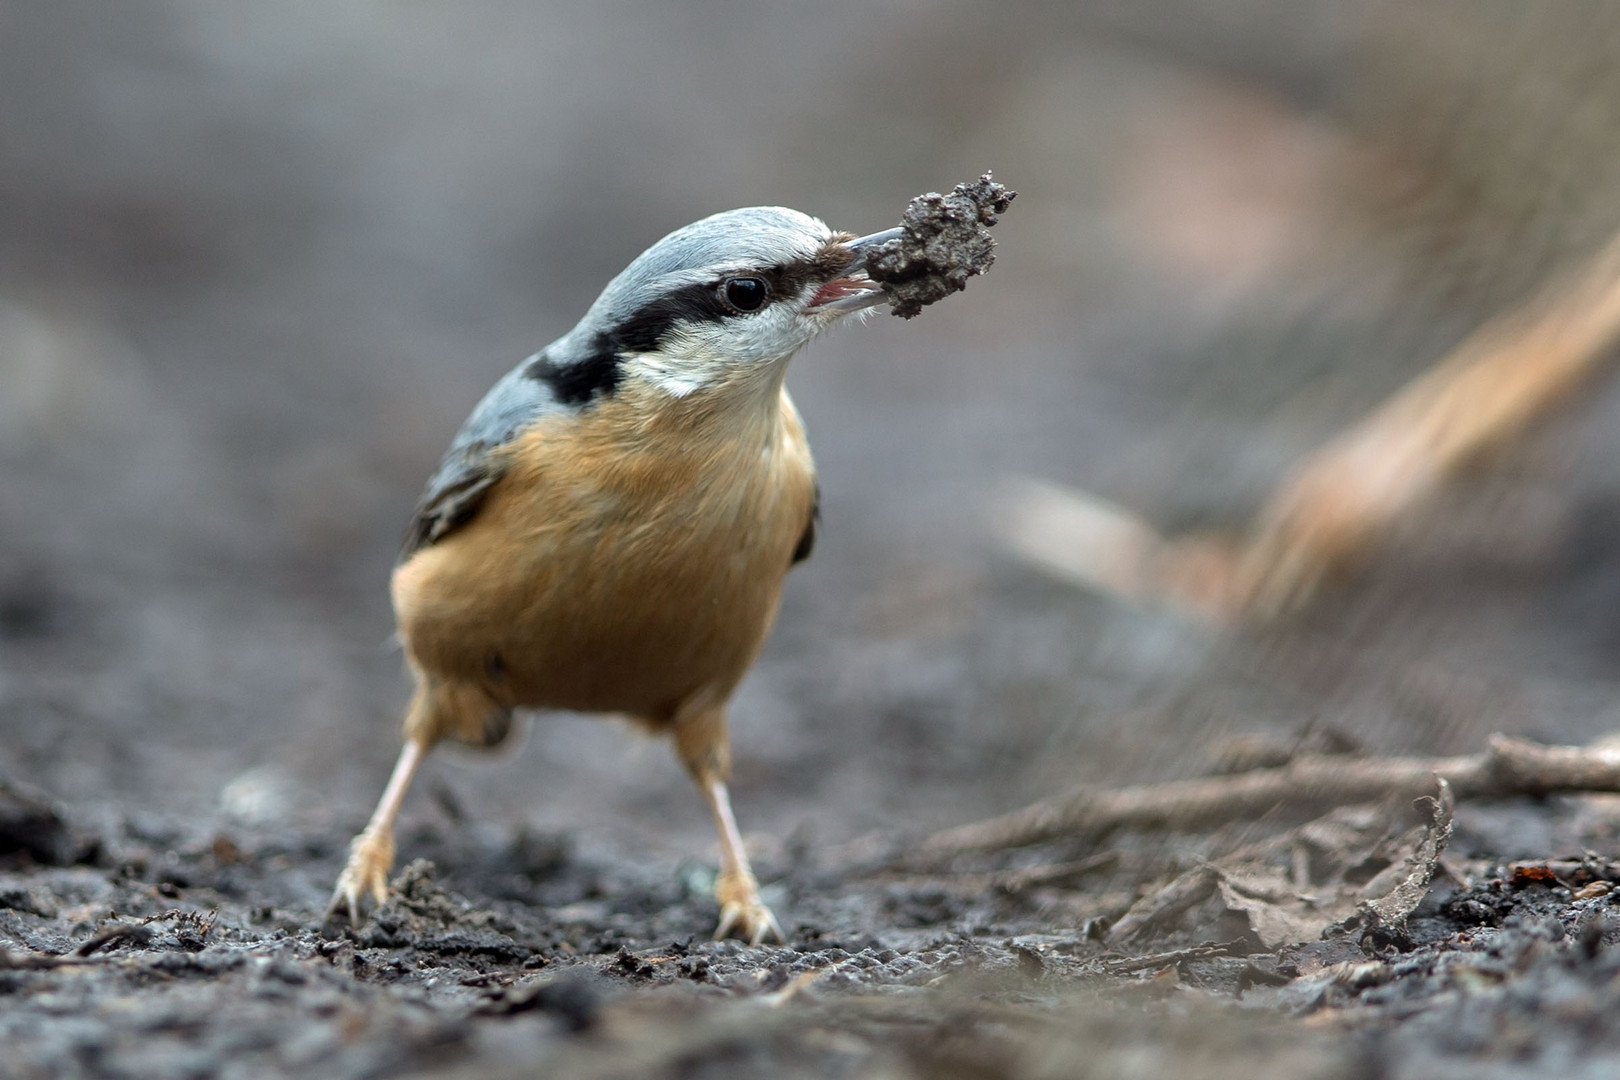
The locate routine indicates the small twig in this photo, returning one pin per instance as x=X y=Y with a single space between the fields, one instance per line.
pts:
x=1189 y=890
x=1030 y=877
x=1165 y=959
x=90 y=951
x=1508 y=767
x=135 y=932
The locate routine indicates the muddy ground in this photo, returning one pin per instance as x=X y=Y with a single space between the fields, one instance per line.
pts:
x=160 y=950
x=257 y=263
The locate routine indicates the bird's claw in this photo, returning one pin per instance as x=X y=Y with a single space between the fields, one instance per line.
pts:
x=371 y=855
x=742 y=910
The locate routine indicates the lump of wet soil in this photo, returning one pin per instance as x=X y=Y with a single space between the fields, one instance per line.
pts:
x=946 y=240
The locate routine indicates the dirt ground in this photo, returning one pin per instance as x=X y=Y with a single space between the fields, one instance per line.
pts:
x=257 y=263
x=166 y=951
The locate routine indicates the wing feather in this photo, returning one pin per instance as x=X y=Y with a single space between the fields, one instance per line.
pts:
x=473 y=465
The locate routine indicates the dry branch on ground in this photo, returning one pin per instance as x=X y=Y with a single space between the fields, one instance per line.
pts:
x=1507 y=767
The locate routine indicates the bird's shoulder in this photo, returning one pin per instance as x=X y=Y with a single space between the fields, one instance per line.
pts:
x=476 y=460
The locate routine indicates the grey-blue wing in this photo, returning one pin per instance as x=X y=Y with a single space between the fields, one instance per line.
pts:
x=471 y=467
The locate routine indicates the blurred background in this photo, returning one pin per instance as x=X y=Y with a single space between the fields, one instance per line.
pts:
x=257 y=262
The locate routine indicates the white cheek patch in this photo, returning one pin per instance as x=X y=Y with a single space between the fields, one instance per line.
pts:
x=676 y=380
x=692 y=357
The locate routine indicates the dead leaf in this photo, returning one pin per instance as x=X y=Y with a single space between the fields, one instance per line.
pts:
x=1392 y=910
x=1277 y=914
x=1280 y=912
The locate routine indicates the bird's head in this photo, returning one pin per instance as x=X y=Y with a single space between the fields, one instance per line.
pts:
x=723 y=302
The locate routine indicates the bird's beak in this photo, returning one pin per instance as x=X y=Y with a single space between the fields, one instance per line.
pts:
x=853 y=290
x=865 y=244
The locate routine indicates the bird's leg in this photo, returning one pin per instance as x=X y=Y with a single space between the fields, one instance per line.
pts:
x=736 y=888
x=704 y=747
x=371 y=854
x=440 y=709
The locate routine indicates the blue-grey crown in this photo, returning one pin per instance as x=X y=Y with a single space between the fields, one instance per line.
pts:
x=754 y=236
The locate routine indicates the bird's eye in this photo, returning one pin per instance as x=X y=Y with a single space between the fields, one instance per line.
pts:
x=744 y=294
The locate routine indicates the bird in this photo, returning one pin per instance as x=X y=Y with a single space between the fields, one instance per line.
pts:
x=611 y=526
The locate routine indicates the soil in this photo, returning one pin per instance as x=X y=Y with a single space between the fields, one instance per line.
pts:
x=160 y=951
x=946 y=241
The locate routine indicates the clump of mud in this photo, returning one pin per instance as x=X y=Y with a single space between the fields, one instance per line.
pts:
x=946 y=241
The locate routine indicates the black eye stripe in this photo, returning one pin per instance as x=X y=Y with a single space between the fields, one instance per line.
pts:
x=598 y=373
x=702 y=302
x=646 y=327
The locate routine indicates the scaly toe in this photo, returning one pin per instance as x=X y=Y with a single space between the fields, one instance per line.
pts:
x=750 y=918
x=768 y=925
x=366 y=872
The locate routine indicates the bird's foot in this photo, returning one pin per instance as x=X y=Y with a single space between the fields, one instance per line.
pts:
x=371 y=855
x=741 y=909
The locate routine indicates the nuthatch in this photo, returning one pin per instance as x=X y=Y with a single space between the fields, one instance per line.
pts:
x=610 y=528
